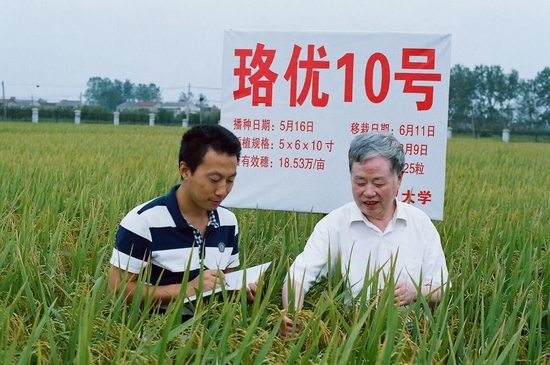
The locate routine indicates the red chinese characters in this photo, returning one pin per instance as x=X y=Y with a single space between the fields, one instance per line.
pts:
x=261 y=80
x=256 y=78
x=415 y=149
x=414 y=168
x=423 y=197
x=253 y=146
x=311 y=82
x=419 y=59
x=364 y=127
x=307 y=163
x=411 y=130
x=290 y=125
x=252 y=124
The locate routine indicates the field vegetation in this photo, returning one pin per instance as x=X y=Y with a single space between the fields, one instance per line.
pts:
x=65 y=188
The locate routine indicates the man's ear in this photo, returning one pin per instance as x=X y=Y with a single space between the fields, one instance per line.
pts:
x=184 y=170
x=399 y=180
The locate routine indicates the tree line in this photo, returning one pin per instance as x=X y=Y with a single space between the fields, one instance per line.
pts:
x=109 y=94
x=102 y=115
x=485 y=99
x=482 y=100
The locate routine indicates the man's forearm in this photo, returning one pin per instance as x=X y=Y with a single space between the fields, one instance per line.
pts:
x=121 y=281
x=432 y=293
x=159 y=294
x=293 y=293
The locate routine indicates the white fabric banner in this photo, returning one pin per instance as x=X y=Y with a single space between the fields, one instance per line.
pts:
x=296 y=99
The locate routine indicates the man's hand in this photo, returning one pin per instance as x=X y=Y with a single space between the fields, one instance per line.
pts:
x=405 y=293
x=211 y=279
x=251 y=292
x=289 y=328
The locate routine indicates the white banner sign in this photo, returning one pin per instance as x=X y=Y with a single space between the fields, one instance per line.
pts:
x=295 y=100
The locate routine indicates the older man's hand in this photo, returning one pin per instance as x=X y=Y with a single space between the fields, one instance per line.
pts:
x=405 y=293
x=251 y=292
x=289 y=328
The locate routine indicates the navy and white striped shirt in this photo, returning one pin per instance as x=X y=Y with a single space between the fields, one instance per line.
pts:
x=156 y=235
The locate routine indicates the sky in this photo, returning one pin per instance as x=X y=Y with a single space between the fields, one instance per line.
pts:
x=50 y=48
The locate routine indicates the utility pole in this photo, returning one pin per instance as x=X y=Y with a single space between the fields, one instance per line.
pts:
x=201 y=98
x=188 y=101
x=4 y=101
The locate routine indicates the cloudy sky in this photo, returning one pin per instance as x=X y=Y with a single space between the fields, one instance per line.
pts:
x=60 y=44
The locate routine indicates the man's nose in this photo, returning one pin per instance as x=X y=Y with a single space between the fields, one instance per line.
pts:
x=368 y=190
x=222 y=188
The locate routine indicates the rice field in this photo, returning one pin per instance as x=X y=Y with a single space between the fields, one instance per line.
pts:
x=64 y=188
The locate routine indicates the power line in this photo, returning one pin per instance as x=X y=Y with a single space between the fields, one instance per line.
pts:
x=45 y=85
x=192 y=86
x=208 y=88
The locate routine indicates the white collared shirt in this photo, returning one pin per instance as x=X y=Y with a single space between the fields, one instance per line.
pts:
x=410 y=244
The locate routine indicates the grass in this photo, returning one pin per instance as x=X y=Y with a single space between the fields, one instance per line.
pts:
x=66 y=187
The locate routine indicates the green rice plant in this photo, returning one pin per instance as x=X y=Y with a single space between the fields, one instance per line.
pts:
x=66 y=187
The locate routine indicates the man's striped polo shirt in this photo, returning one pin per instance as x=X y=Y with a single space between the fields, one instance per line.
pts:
x=156 y=234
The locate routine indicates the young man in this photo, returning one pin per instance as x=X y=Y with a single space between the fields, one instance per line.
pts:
x=186 y=229
x=375 y=232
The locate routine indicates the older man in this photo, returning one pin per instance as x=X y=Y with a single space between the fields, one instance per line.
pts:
x=374 y=234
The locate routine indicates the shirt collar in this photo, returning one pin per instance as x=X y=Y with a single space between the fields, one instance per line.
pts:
x=213 y=219
x=173 y=208
x=357 y=215
x=399 y=211
x=179 y=220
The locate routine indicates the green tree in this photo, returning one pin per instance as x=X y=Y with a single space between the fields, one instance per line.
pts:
x=128 y=91
x=104 y=92
x=118 y=92
x=527 y=107
x=202 y=102
x=494 y=96
x=461 y=97
x=109 y=94
x=533 y=107
x=186 y=96
x=511 y=94
x=149 y=92
x=542 y=90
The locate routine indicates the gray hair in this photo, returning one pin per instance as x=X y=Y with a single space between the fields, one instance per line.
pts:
x=374 y=144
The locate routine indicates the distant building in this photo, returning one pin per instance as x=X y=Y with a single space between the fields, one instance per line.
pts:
x=47 y=105
x=181 y=106
x=69 y=104
x=9 y=102
x=153 y=106
x=19 y=103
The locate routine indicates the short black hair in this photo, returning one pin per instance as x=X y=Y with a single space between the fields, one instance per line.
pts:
x=197 y=140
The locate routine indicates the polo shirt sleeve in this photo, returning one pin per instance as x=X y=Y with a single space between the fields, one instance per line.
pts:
x=321 y=249
x=132 y=243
